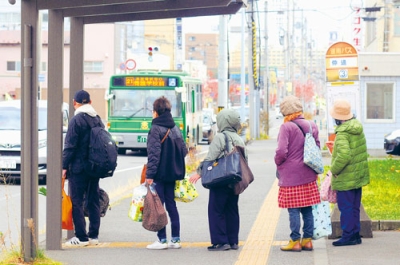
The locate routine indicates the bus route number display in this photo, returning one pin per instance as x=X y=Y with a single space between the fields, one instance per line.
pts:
x=148 y=81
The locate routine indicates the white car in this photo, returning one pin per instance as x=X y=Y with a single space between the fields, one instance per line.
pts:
x=209 y=125
x=10 y=138
x=278 y=114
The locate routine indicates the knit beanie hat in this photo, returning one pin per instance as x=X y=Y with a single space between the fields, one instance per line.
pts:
x=290 y=104
x=341 y=110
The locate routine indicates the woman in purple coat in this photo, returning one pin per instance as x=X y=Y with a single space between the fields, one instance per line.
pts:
x=298 y=189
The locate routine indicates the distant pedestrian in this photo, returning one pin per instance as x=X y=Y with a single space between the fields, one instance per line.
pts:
x=165 y=165
x=75 y=154
x=223 y=209
x=350 y=171
x=298 y=189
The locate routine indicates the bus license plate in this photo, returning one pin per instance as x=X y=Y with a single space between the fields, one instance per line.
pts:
x=142 y=139
x=9 y=164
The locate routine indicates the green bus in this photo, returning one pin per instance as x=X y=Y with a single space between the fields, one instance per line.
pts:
x=130 y=106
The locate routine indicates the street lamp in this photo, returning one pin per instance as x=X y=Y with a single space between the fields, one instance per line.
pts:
x=12 y=2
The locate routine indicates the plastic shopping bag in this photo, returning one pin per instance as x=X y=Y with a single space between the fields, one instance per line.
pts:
x=327 y=194
x=154 y=215
x=136 y=207
x=66 y=210
x=185 y=191
x=322 y=220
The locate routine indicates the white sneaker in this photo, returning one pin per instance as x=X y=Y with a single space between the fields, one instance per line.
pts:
x=158 y=245
x=75 y=242
x=93 y=241
x=176 y=245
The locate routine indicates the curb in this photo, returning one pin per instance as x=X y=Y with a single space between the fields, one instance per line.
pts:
x=385 y=225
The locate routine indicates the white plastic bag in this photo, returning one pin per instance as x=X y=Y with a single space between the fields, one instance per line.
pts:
x=322 y=220
x=136 y=207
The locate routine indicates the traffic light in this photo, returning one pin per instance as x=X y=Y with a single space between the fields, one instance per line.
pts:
x=152 y=50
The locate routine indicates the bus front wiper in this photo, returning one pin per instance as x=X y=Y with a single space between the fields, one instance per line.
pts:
x=136 y=112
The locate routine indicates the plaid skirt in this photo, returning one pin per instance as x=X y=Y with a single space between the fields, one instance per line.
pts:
x=299 y=196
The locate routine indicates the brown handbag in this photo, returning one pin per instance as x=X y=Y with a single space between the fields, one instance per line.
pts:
x=247 y=175
x=143 y=176
x=154 y=215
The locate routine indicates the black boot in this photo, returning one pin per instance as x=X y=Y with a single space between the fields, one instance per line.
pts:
x=357 y=237
x=345 y=242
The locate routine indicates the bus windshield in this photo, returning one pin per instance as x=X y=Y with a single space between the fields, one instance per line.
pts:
x=139 y=103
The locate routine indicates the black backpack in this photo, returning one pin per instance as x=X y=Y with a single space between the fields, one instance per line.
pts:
x=172 y=158
x=104 y=203
x=102 y=155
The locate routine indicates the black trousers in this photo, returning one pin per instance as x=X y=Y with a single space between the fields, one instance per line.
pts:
x=79 y=185
x=223 y=216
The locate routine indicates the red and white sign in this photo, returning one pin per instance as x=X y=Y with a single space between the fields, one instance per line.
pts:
x=130 y=64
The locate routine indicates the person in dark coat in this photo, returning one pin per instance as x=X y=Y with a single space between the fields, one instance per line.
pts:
x=223 y=208
x=165 y=165
x=75 y=153
x=298 y=189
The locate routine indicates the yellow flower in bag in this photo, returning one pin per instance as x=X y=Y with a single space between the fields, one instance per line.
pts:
x=185 y=191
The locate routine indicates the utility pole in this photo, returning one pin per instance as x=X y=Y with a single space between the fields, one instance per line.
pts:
x=223 y=64
x=266 y=71
x=242 y=66
x=287 y=50
x=254 y=95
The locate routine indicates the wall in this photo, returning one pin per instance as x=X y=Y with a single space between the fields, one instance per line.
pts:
x=379 y=67
x=96 y=95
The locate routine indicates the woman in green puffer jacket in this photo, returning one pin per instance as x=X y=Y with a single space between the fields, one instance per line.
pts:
x=350 y=172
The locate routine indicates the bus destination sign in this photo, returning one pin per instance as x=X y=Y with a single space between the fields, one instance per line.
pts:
x=149 y=81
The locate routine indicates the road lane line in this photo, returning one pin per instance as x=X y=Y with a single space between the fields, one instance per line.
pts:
x=261 y=237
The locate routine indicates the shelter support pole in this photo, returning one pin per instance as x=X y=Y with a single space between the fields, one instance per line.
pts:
x=55 y=129
x=29 y=125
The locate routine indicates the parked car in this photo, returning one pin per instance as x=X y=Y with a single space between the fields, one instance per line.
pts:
x=10 y=138
x=209 y=125
x=392 y=143
x=278 y=114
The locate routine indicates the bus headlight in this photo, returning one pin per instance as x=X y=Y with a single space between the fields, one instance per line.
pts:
x=118 y=138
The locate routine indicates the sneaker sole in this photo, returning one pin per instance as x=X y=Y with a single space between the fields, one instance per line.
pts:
x=174 y=247
x=77 y=246
x=157 y=248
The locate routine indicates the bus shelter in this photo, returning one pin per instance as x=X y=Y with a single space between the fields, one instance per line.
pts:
x=81 y=12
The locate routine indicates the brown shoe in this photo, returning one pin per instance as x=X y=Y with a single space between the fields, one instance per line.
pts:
x=306 y=244
x=292 y=246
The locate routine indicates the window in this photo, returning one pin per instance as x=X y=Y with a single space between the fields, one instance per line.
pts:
x=192 y=38
x=192 y=49
x=43 y=67
x=380 y=100
x=93 y=67
x=396 y=22
x=14 y=66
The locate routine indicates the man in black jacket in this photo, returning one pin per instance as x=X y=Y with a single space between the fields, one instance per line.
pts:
x=75 y=154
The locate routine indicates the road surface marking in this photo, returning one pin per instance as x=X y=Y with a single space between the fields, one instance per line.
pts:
x=261 y=237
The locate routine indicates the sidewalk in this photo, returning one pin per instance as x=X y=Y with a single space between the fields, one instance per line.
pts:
x=264 y=228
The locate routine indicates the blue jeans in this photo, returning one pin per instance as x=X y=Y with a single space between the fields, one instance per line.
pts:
x=308 y=220
x=165 y=191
